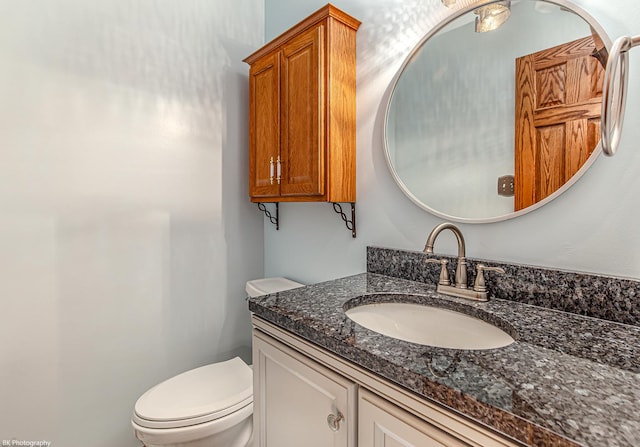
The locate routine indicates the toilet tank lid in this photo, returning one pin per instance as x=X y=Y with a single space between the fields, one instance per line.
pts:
x=264 y=286
x=199 y=392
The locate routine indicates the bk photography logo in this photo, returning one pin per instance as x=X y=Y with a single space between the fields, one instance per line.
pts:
x=22 y=443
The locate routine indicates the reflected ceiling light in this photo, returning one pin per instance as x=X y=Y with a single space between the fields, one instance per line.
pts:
x=492 y=16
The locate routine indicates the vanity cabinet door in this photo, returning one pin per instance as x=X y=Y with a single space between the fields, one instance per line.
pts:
x=382 y=424
x=298 y=402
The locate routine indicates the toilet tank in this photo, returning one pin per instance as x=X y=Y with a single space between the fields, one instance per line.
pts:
x=264 y=286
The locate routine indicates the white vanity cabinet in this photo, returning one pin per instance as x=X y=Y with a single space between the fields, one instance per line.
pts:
x=299 y=388
x=382 y=424
x=298 y=402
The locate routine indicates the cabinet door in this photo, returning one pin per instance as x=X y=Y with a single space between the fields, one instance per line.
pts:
x=382 y=424
x=264 y=126
x=302 y=150
x=293 y=396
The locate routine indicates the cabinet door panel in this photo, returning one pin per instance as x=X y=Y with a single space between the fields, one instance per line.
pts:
x=293 y=398
x=382 y=424
x=302 y=99
x=264 y=125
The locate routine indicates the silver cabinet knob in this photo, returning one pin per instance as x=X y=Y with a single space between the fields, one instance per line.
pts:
x=333 y=421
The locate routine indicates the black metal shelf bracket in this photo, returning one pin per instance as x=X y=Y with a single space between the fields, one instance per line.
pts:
x=273 y=219
x=351 y=224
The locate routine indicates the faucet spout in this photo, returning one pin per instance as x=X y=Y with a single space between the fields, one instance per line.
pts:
x=428 y=248
x=461 y=268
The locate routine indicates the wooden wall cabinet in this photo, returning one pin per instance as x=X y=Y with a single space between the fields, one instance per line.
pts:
x=302 y=112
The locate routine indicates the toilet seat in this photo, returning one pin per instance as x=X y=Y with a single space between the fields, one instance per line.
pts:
x=195 y=397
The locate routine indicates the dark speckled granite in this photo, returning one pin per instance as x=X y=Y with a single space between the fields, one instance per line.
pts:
x=598 y=296
x=567 y=379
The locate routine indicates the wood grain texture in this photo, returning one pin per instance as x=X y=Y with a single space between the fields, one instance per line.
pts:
x=264 y=125
x=525 y=133
x=316 y=126
x=341 y=112
x=562 y=53
x=549 y=173
x=550 y=84
x=314 y=19
x=551 y=115
x=558 y=105
x=302 y=101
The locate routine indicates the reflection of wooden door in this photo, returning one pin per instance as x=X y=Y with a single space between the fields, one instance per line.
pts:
x=558 y=101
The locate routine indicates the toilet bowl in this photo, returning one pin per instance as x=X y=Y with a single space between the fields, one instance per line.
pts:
x=210 y=406
x=207 y=406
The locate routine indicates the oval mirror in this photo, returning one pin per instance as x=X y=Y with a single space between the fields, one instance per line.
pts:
x=497 y=110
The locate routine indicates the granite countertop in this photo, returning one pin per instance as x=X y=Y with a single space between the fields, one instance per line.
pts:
x=566 y=380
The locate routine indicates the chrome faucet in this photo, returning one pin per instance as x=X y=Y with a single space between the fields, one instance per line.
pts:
x=460 y=289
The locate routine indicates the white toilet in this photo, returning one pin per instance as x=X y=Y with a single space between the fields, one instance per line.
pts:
x=210 y=406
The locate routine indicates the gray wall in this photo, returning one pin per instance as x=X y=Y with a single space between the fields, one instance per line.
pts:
x=126 y=235
x=592 y=227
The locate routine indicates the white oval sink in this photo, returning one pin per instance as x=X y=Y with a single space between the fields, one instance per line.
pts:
x=427 y=325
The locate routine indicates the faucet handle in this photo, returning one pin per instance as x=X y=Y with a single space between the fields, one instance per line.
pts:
x=479 y=285
x=444 y=271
